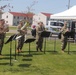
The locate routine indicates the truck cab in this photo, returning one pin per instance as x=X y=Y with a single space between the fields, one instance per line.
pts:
x=54 y=26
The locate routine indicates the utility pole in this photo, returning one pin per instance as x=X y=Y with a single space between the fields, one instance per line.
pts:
x=68 y=4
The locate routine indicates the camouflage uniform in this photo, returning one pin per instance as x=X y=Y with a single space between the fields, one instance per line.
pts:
x=39 y=39
x=63 y=37
x=21 y=40
x=2 y=36
x=3 y=29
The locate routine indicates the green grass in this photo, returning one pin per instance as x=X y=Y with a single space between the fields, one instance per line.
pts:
x=9 y=34
x=38 y=63
x=13 y=27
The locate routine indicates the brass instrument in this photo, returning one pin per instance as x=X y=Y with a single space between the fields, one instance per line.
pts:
x=25 y=25
x=22 y=28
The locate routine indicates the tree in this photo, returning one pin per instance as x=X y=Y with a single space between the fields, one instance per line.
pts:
x=5 y=6
x=29 y=9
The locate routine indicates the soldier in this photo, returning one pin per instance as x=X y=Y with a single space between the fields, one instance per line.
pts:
x=22 y=33
x=3 y=29
x=39 y=39
x=63 y=37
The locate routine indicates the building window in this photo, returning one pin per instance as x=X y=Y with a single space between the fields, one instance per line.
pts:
x=47 y=18
x=18 y=17
x=6 y=16
x=14 y=24
x=6 y=21
x=17 y=22
x=14 y=17
x=30 y=18
x=24 y=17
x=47 y=23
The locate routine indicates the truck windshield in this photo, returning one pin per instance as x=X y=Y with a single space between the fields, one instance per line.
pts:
x=56 y=24
x=53 y=23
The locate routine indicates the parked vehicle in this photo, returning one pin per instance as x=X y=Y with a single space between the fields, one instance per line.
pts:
x=54 y=26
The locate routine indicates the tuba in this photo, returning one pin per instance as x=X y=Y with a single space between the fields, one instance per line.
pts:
x=27 y=24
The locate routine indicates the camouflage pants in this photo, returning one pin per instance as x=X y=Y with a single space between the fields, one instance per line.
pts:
x=1 y=42
x=39 y=43
x=64 y=41
x=21 y=42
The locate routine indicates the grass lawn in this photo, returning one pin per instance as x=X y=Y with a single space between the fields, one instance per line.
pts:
x=13 y=27
x=38 y=63
x=8 y=34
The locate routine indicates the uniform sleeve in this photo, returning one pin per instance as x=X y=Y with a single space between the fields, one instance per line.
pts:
x=24 y=30
x=18 y=28
x=62 y=29
x=1 y=29
x=37 y=29
x=6 y=28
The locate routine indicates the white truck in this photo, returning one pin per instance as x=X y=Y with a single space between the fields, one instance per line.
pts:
x=54 y=26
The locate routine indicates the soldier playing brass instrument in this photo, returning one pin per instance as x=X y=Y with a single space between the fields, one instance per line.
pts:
x=22 y=29
x=39 y=39
x=3 y=29
x=63 y=37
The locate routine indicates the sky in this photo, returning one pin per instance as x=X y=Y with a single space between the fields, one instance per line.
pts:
x=47 y=6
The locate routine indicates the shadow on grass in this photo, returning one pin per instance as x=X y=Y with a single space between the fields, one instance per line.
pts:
x=24 y=65
x=33 y=52
x=13 y=54
x=4 y=63
x=52 y=51
x=26 y=59
x=5 y=57
x=25 y=52
x=41 y=53
x=71 y=52
x=28 y=55
x=28 y=51
x=37 y=53
x=8 y=55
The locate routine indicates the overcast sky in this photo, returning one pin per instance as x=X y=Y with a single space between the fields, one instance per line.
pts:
x=49 y=6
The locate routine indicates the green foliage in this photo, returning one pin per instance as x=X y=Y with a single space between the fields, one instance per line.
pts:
x=38 y=63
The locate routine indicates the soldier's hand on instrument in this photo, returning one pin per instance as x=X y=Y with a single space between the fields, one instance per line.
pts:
x=20 y=31
x=67 y=30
